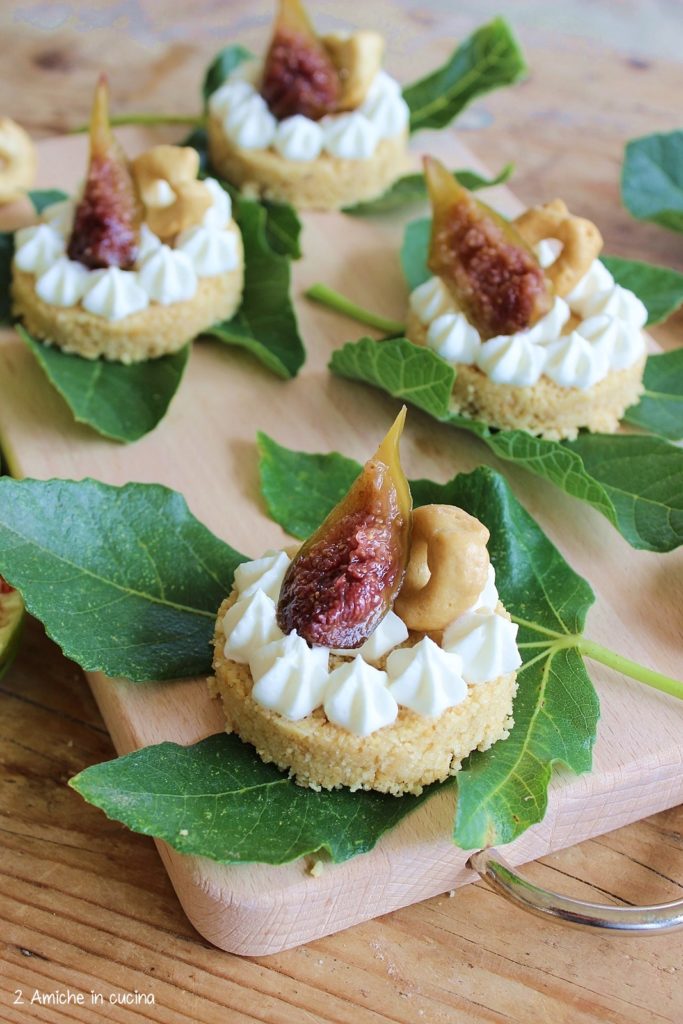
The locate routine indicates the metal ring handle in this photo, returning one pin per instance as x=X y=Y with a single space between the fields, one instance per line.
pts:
x=499 y=876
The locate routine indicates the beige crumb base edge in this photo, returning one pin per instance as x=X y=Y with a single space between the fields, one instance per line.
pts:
x=224 y=399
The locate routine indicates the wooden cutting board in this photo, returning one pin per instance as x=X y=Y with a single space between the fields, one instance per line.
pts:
x=205 y=449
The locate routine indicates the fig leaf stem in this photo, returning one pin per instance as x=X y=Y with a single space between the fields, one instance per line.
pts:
x=633 y=669
x=147 y=119
x=334 y=300
x=596 y=652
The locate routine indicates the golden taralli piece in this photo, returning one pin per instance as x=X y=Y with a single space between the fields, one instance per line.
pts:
x=166 y=180
x=447 y=568
x=581 y=241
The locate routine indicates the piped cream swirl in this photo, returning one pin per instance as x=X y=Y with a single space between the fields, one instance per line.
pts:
x=359 y=694
x=162 y=274
x=608 y=337
x=248 y=123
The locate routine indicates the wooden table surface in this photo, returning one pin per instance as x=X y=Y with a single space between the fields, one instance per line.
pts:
x=85 y=906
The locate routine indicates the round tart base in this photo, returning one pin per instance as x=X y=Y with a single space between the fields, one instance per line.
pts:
x=400 y=758
x=155 y=331
x=546 y=409
x=327 y=183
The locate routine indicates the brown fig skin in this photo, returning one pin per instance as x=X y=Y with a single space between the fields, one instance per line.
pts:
x=492 y=274
x=299 y=76
x=106 y=222
x=346 y=576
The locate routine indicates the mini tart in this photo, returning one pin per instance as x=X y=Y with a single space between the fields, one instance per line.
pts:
x=400 y=758
x=546 y=409
x=158 y=330
x=326 y=183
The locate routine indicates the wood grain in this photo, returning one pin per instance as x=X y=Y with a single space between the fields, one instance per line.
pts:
x=444 y=960
x=211 y=459
x=83 y=905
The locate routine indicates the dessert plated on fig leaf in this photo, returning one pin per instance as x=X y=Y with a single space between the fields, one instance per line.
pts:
x=541 y=336
x=379 y=655
x=110 y=287
x=431 y=676
x=522 y=333
x=319 y=124
x=138 y=265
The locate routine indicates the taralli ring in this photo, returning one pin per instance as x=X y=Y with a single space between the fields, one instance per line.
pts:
x=166 y=180
x=17 y=160
x=581 y=241
x=447 y=568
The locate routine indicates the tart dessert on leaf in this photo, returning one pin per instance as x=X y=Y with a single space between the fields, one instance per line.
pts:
x=317 y=123
x=144 y=260
x=378 y=656
x=542 y=337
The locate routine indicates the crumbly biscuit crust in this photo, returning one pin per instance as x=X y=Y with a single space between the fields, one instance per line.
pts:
x=154 y=331
x=400 y=758
x=553 y=412
x=327 y=183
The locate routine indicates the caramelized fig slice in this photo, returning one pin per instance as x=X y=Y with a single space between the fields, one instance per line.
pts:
x=346 y=576
x=299 y=76
x=106 y=222
x=492 y=274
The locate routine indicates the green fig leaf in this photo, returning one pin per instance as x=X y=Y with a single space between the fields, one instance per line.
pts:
x=299 y=489
x=121 y=402
x=124 y=579
x=283 y=229
x=414 y=252
x=223 y=64
x=167 y=790
x=635 y=481
x=652 y=179
x=198 y=139
x=265 y=324
x=217 y=799
x=412 y=189
x=660 y=410
x=488 y=59
x=660 y=289
x=44 y=197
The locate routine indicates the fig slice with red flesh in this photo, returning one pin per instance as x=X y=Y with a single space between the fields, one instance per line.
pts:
x=107 y=218
x=346 y=576
x=299 y=76
x=490 y=271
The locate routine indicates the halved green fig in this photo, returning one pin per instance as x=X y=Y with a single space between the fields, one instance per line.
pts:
x=107 y=219
x=492 y=274
x=11 y=621
x=299 y=76
x=346 y=576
